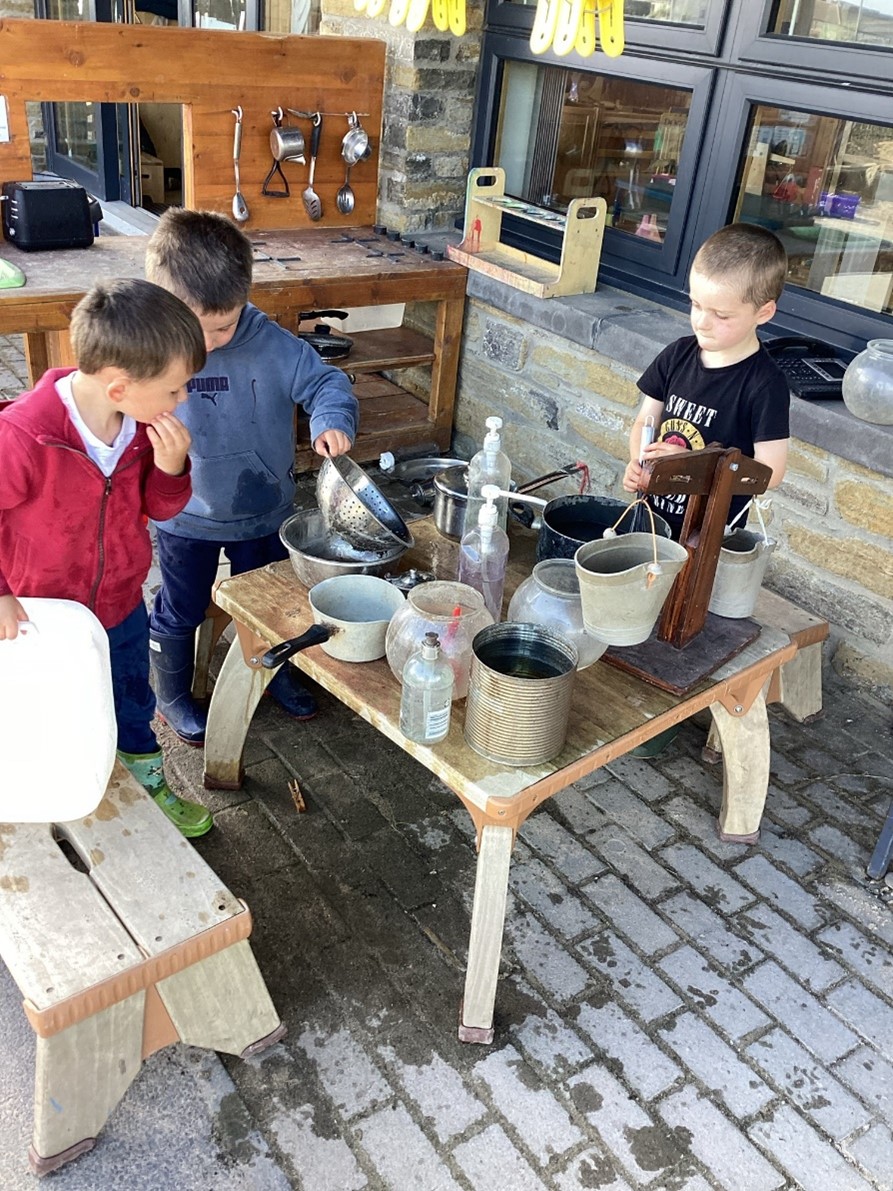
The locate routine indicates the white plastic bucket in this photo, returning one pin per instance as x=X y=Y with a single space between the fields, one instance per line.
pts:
x=57 y=715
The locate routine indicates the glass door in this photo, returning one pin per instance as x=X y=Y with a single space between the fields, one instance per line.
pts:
x=89 y=142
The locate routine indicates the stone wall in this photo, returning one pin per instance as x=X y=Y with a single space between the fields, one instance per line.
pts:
x=428 y=109
x=562 y=401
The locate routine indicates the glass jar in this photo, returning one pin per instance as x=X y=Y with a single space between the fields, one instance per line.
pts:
x=454 y=611
x=868 y=383
x=551 y=597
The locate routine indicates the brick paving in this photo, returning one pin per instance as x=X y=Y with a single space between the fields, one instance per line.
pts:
x=673 y=1013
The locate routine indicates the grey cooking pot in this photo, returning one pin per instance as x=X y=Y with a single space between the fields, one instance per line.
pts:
x=351 y=614
x=569 y=521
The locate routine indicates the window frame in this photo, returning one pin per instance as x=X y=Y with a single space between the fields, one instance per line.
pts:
x=751 y=43
x=745 y=75
x=620 y=251
x=643 y=35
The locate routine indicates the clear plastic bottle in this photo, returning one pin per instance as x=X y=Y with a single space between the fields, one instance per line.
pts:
x=427 y=695
x=490 y=465
x=483 y=555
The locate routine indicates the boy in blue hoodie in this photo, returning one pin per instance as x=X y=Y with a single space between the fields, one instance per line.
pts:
x=241 y=416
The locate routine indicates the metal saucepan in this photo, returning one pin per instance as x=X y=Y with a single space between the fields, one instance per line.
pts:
x=286 y=144
x=451 y=495
x=569 y=521
x=355 y=142
x=351 y=614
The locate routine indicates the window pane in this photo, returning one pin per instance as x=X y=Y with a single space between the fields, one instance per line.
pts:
x=566 y=134
x=825 y=187
x=219 y=14
x=673 y=12
x=863 y=22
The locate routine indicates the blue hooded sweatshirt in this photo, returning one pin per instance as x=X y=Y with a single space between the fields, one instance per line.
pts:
x=240 y=414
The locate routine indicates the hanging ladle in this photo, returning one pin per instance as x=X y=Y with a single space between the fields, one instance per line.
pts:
x=345 y=198
x=240 y=207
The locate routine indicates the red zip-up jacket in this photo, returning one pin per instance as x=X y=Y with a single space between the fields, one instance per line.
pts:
x=66 y=530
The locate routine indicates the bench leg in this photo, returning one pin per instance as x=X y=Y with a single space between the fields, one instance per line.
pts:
x=485 y=944
x=81 y=1075
x=222 y=1002
x=745 y=747
x=236 y=695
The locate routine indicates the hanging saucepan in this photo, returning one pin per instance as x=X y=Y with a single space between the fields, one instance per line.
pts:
x=322 y=339
x=355 y=144
x=351 y=614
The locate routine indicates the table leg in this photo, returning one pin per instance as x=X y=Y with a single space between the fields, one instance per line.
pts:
x=745 y=750
x=236 y=695
x=485 y=944
x=882 y=856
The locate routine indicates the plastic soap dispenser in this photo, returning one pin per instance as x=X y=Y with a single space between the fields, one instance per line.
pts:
x=490 y=465
x=427 y=696
x=483 y=555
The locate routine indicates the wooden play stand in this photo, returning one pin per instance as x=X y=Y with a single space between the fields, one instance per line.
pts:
x=482 y=249
x=689 y=642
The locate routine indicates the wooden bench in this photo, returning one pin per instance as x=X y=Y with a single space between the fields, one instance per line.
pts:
x=144 y=948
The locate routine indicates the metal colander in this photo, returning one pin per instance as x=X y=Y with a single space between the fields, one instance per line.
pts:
x=353 y=507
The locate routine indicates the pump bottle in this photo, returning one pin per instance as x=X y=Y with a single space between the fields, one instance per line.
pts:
x=490 y=465
x=426 y=698
x=483 y=554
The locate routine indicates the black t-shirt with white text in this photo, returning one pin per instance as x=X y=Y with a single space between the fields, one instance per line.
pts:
x=738 y=406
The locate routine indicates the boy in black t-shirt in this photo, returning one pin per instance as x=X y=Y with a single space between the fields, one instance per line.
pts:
x=720 y=384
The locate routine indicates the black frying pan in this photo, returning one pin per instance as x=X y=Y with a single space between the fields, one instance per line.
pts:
x=322 y=339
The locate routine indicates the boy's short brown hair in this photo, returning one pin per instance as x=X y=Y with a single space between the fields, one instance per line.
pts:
x=135 y=326
x=203 y=258
x=747 y=254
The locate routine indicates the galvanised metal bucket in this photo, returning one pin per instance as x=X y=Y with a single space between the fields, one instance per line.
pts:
x=519 y=693
x=739 y=573
x=624 y=582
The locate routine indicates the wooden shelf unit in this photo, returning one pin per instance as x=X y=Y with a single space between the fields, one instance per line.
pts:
x=296 y=270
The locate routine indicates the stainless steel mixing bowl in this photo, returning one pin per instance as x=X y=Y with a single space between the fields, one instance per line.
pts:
x=316 y=555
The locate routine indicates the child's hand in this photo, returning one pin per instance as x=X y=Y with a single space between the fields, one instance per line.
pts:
x=332 y=442
x=170 y=441
x=11 y=614
x=634 y=477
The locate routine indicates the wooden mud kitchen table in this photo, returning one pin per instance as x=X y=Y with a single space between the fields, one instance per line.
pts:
x=295 y=271
x=612 y=712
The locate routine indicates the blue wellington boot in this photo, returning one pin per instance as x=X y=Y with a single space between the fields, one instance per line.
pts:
x=293 y=698
x=173 y=667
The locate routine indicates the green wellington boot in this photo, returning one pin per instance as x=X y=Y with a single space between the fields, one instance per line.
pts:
x=148 y=769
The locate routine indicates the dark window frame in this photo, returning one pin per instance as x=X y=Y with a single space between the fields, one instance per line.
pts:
x=819 y=77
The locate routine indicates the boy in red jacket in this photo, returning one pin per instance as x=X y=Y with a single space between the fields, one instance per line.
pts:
x=85 y=458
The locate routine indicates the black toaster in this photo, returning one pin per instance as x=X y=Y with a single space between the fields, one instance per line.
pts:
x=50 y=214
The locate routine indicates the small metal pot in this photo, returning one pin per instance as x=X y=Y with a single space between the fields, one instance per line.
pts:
x=450 y=499
x=287 y=144
x=351 y=614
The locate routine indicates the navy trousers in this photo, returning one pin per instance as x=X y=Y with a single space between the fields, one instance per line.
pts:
x=189 y=570
x=134 y=698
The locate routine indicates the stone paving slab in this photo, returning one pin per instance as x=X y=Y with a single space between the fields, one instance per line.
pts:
x=673 y=1013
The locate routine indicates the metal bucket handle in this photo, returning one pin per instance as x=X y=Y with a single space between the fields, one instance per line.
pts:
x=759 y=505
x=654 y=568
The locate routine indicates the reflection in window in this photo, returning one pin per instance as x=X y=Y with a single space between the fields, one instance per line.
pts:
x=673 y=12
x=825 y=187
x=219 y=14
x=571 y=134
x=864 y=22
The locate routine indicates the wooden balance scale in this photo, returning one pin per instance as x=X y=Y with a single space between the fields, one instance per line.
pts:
x=689 y=642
